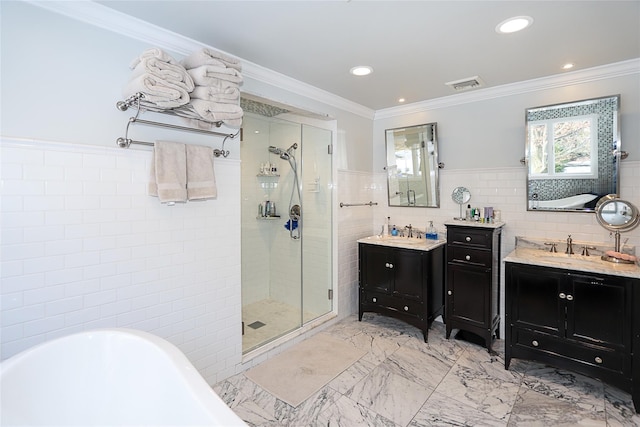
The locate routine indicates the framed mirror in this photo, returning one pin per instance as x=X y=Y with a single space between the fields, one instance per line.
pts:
x=412 y=166
x=572 y=154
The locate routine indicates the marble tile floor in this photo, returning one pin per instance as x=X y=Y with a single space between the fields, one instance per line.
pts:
x=401 y=381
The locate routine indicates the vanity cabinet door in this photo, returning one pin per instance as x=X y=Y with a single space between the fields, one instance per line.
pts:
x=598 y=311
x=376 y=268
x=537 y=300
x=408 y=274
x=467 y=297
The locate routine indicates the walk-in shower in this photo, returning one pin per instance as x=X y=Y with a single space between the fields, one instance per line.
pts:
x=286 y=223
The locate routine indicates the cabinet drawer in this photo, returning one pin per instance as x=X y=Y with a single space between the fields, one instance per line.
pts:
x=414 y=308
x=596 y=356
x=470 y=237
x=473 y=256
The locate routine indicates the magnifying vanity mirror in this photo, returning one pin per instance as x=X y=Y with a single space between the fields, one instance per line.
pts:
x=617 y=215
x=461 y=196
x=412 y=166
x=572 y=154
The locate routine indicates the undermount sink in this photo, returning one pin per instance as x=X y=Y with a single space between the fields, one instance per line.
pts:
x=403 y=242
x=568 y=258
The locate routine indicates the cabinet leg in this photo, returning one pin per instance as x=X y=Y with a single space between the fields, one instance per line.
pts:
x=448 y=332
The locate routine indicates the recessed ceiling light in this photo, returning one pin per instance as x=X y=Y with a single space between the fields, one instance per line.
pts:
x=361 y=70
x=567 y=66
x=514 y=24
x=401 y=100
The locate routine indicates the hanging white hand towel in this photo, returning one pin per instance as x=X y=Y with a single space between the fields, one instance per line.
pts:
x=168 y=176
x=201 y=179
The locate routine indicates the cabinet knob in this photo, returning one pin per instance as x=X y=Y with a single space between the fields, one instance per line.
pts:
x=562 y=295
x=449 y=293
x=535 y=343
x=374 y=299
x=390 y=265
x=468 y=238
x=386 y=264
x=569 y=297
x=406 y=308
x=598 y=360
x=467 y=257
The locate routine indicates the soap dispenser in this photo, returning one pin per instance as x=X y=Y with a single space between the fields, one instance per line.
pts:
x=431 y=232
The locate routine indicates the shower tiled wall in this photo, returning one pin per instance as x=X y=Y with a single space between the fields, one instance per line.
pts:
x=83 y=247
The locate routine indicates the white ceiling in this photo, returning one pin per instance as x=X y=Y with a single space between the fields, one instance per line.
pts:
x=414 y=47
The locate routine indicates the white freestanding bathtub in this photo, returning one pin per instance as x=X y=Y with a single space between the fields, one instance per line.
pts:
x=107 y=377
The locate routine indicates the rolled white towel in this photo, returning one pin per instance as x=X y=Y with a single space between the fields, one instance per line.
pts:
x=206 y=56
x=227 y=95
x=173 y=73
x=211 y=75
x=157 y=91
x=215 y=111
x=154 y=52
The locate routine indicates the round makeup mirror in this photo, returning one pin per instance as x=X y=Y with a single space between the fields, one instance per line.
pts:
x=617 y=215
x=461 y=195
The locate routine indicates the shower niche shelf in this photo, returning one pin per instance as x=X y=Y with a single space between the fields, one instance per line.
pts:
x=268 y=218
x=264 y=175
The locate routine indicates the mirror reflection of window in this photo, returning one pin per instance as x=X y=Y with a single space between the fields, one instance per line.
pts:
x=564 y=147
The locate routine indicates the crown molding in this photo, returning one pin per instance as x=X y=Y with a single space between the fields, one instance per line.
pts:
x=111 y=20
x=108 y=19
x=617 y=69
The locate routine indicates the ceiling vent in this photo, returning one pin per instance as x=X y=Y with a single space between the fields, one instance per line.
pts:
x=466 y=84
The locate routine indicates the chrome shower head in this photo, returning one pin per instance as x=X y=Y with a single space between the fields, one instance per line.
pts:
x=284 y=154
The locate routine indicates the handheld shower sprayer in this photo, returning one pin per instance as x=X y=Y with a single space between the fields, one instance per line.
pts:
x=284 y=154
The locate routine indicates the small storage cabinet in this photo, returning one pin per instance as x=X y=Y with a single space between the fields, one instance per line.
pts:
x=574 y=320
x=473 y=280
x=403 y=283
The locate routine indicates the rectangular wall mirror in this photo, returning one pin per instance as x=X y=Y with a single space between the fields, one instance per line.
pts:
x=412 y=166
x=572 y=154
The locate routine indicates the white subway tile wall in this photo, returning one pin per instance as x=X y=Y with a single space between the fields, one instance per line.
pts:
x=83 y=247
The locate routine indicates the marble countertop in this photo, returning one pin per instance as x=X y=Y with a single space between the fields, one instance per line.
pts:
x=464 y=223
x=404 y=242
x=590 y=264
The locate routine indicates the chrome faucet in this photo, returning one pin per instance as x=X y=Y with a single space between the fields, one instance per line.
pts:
x=410 y=228
x=553 y=247
x=569 y=249
x=585 y=249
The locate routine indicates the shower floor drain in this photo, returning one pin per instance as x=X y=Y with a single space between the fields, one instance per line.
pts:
x=257 y=324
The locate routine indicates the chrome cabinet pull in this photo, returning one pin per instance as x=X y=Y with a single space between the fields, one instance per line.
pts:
x=535 y=343
x=468 y=257
x=598 y=360
x=374 y=299
x=449 y=293
x=562 y=295
x=569 y=297
x=468 y=238
x=386 y=265
x=406 y=308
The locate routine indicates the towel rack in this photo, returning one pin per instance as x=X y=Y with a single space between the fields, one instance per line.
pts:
x=134 y=101
x=346 y=205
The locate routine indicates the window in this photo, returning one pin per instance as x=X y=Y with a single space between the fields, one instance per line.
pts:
x=564 y=148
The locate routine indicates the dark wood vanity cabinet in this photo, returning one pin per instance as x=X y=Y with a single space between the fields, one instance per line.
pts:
x=473 y=281
x=403 y=283
x=574 y=320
